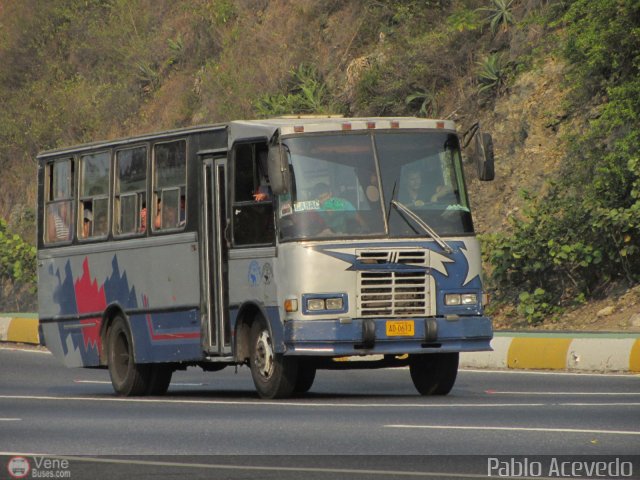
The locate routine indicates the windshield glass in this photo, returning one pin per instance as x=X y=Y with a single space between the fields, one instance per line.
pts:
x=423 y=171
x=341 y=188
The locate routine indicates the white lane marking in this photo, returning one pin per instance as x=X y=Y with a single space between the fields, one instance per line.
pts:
x=541 y=372
x=498 y=392
x=23 y=349
x=93 y=381
x=106 y=382
x=10 y=419
x=518 y=429
x=259 y=468
x=307 y=404
x=267 y=403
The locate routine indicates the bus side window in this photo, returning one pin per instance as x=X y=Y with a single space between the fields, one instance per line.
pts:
x=244 y=173
x=169 y=213
x=131 y=190
x=169 y=185
x=59 y=204
x=93 y=211
x=253 y=222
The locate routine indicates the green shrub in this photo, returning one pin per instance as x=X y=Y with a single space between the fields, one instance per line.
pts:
x=492 y=75
x=584 y=235
x=17 y=258
x=536 y=307
x=500 y=14
x=307 y=94
x=463 y=20
x=426 y=100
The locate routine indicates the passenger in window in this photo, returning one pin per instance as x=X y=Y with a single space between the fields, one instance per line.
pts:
x=328 y=202
x=331 y=221
x=444 y=194
x=183 y=212
x=87 y=222
x=330 y=206
x=100 y=225
x=415 y=192
x=262 y=193
x=143 y=218
x=372 y=192
x=157 y=221
x=58 y=224
x=170 y=219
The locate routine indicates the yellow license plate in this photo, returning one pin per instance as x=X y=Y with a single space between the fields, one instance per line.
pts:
x=400 y=328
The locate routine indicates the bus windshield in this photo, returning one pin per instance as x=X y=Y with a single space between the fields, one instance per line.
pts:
x=343 y=185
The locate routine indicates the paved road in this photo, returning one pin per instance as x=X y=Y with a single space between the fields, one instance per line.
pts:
x=48 y=409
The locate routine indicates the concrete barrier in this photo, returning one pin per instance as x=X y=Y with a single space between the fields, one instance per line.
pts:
x=19 y=328
x=569 y=351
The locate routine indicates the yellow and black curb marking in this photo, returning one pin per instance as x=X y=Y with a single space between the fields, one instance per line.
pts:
x=19 y=328
x=571 y=351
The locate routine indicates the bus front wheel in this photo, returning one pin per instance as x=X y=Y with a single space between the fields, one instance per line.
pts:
x=434 y=373
x=274 y=375
x=306 y=376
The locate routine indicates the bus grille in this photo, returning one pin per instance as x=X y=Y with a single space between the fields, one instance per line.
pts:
x=389 y=292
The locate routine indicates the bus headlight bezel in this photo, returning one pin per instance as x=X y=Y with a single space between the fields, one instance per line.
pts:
x=460 y=299
x=331 y=303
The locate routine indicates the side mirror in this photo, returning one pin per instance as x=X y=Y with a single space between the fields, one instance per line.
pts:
x=484 y=158
x=278 y=167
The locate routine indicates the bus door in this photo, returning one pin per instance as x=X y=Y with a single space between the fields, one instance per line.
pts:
x=215 y=260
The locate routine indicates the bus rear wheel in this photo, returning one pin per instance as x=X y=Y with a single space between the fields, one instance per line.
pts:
x=160 y=379
x=434 y=373
x=274 y=375
x=127 y=377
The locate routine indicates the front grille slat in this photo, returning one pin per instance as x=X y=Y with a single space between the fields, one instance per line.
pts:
x=393 y=293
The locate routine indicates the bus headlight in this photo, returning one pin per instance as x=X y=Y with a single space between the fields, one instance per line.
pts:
x=455 y=299
x=324 y=303
x=334 y=303
x=315 y=304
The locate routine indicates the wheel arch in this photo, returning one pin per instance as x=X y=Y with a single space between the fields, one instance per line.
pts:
x=248 y=313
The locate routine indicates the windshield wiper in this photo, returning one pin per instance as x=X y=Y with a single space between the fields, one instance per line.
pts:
x=430 y=231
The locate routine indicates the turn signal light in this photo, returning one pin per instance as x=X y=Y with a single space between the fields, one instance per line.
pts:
x=291 y=305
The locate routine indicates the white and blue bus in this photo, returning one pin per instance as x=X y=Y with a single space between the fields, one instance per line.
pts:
x=282 y=244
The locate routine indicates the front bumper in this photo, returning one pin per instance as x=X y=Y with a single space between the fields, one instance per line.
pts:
x=340 y=337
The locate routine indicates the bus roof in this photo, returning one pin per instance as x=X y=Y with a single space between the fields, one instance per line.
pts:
x=312 y=124
x=266 y=128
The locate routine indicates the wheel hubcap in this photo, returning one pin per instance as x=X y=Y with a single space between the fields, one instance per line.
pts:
x=264 y=355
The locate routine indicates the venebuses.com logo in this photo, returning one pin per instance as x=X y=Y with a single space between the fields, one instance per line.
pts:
x=38 y=467
x=18 y=467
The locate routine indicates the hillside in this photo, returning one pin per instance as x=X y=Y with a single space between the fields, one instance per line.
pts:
x=541 y=75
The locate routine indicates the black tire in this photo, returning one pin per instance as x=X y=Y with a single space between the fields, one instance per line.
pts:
x=127 y=377
x=306 y=376
x=160 y=379
x=434 y=373
x=274 y=375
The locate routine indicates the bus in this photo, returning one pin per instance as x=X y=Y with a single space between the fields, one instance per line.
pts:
x=287 y=245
